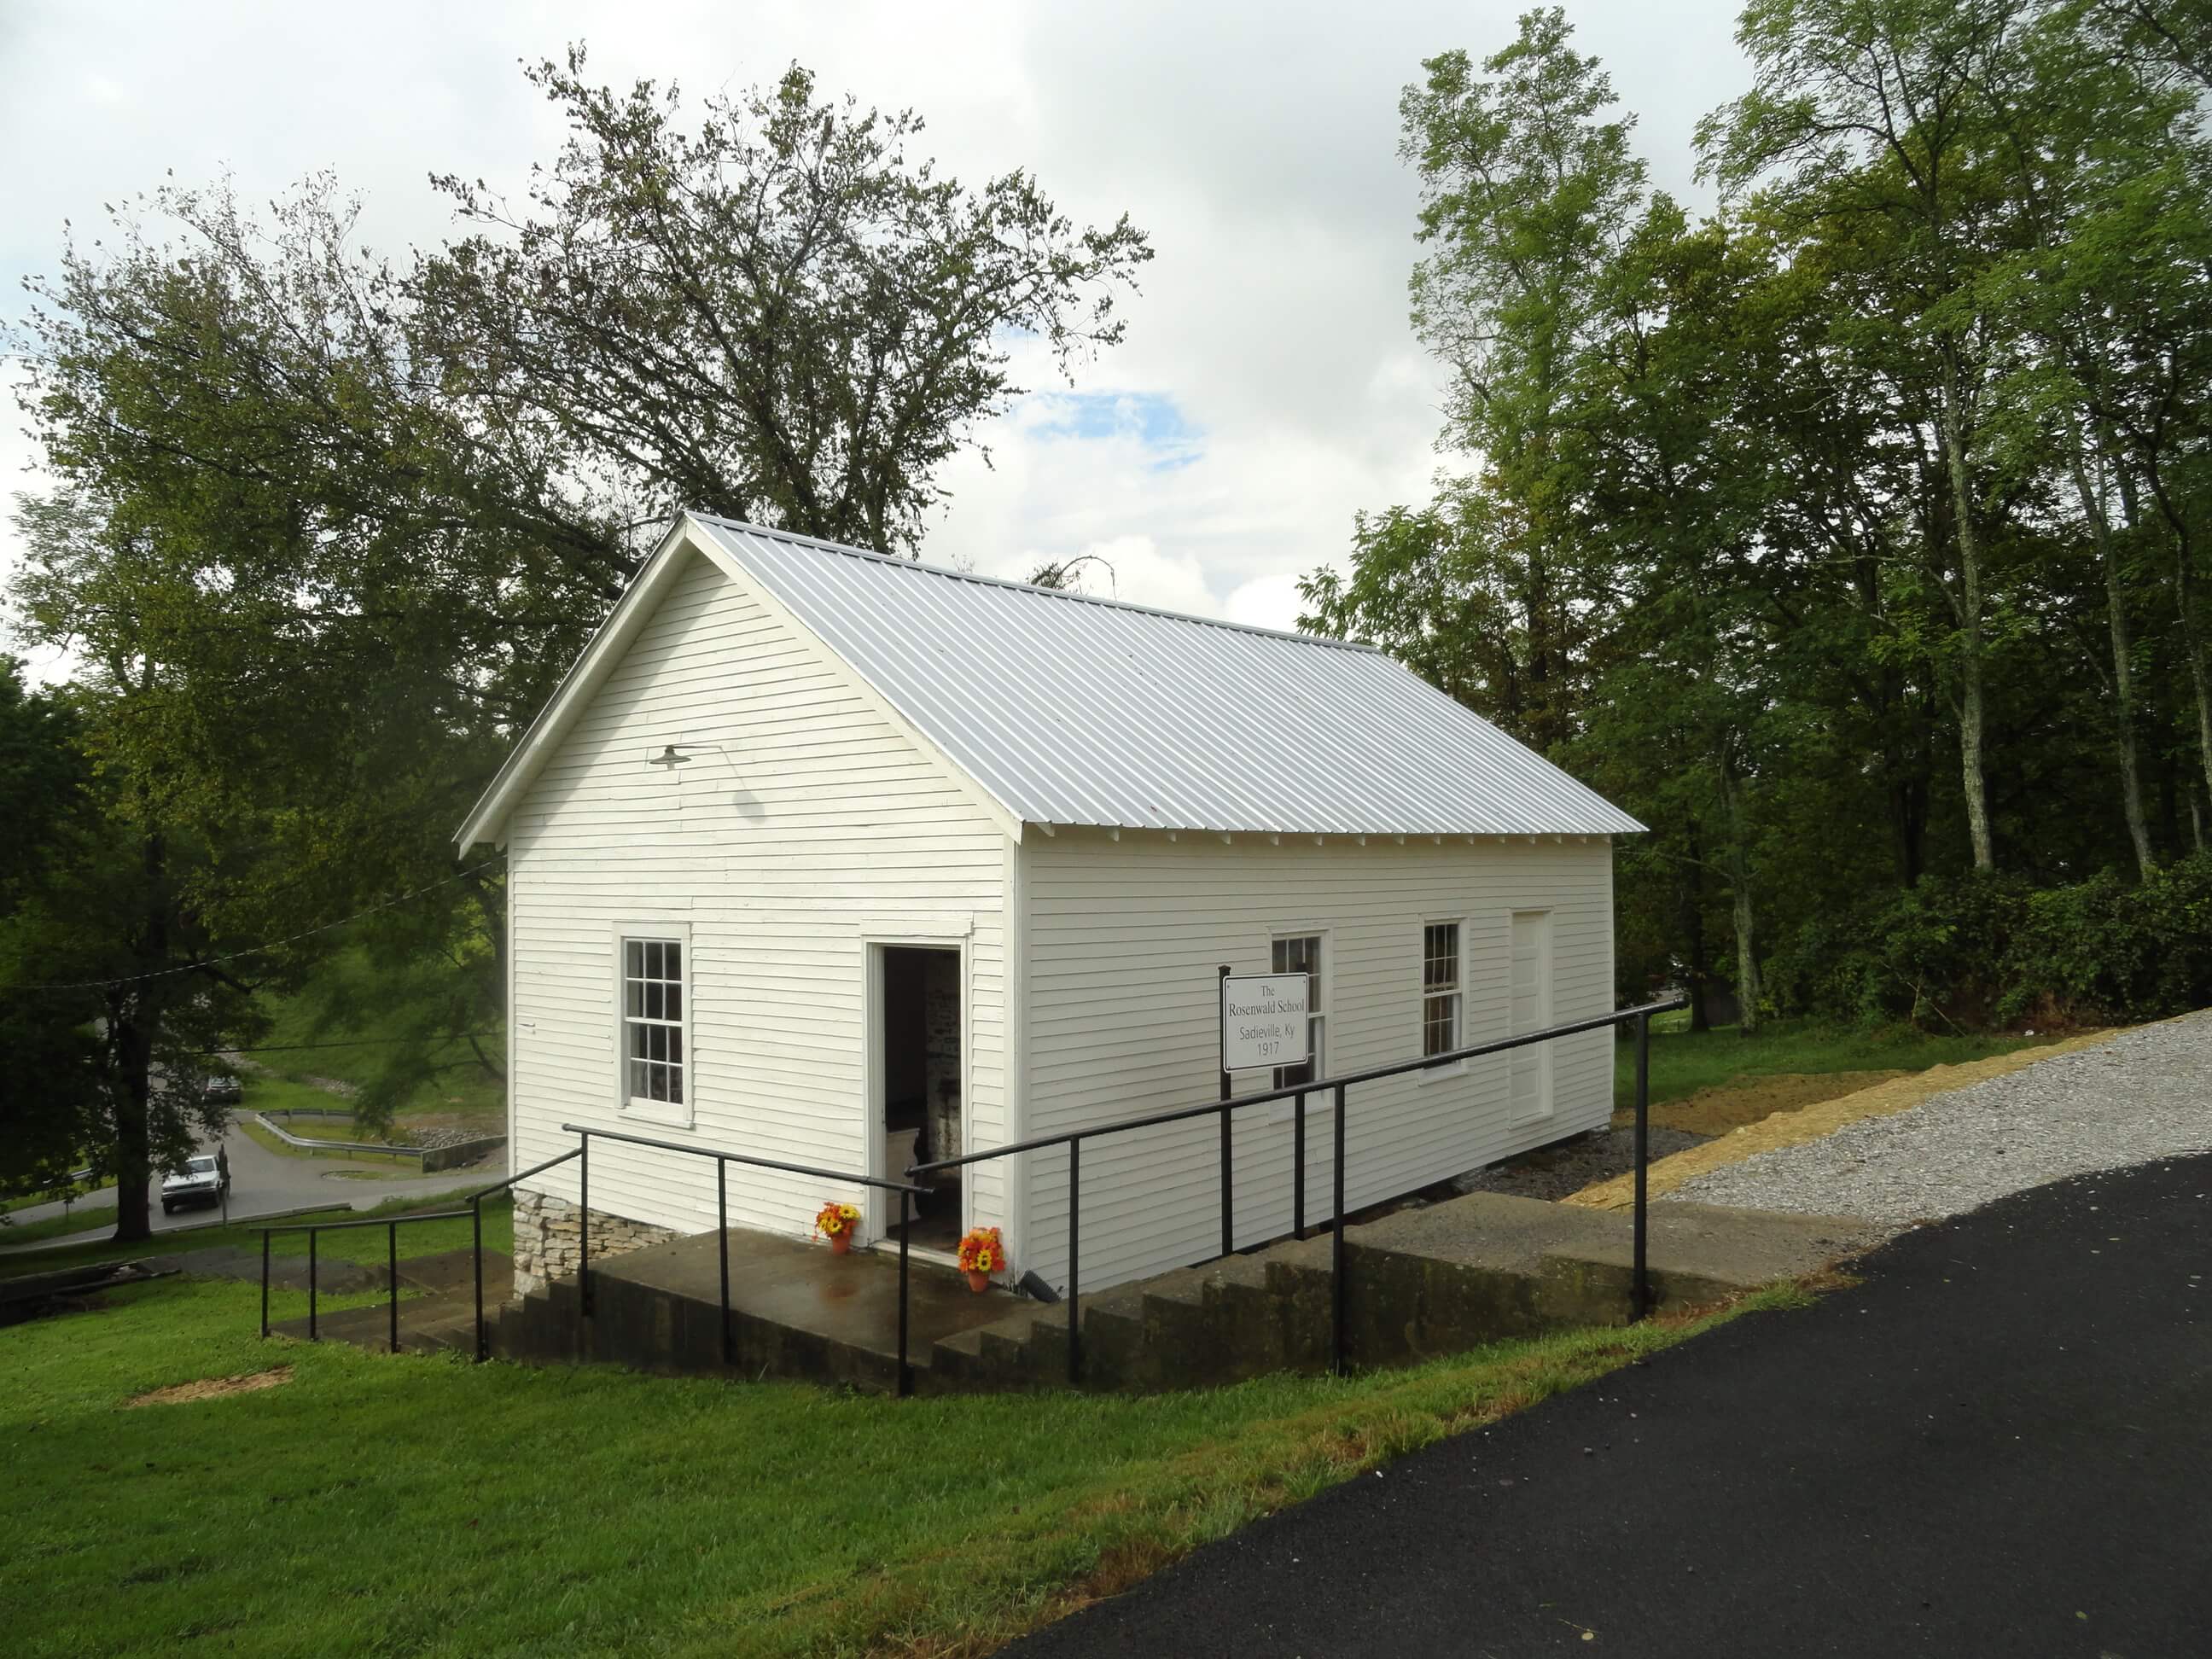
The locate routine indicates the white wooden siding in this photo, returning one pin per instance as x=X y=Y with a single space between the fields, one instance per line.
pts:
x=805 y=817
x=1122 y=942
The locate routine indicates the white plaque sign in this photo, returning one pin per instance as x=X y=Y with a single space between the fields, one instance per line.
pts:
x=1263 y=1020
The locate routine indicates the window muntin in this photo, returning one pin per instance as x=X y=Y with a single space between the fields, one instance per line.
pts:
x=653 y=1020
x=1301 y=954
x=1440 y=988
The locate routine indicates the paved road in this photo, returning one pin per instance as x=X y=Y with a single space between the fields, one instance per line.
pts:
x=2000 y=1443
x=263 y=1182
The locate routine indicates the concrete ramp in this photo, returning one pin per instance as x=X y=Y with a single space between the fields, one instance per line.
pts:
x=1422 y=1282
x=1434 y=1279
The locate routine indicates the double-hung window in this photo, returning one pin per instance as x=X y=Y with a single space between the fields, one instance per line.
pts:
x=1440 y=988
x=1302 y=954
x=653 y=1023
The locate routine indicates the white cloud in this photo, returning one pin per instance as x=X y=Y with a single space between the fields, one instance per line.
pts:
x=1256 y=142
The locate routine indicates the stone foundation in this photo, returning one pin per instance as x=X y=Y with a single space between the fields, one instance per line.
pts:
x=549 y=1238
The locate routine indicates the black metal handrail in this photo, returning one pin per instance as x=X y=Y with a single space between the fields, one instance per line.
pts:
x=392 y=1225
x=908 y=1193
x=1072 y=1140
x=908 y=1190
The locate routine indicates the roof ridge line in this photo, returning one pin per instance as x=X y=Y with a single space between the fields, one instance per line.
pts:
x=948 y=572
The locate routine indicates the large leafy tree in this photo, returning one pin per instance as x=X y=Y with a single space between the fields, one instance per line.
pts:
x=49 y=1084
x=1527 y=189
x=370 y=512
x=785 y=315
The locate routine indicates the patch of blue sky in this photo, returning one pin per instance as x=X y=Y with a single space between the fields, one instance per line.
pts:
x=1152 y=420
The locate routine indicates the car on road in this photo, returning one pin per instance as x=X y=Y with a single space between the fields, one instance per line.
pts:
x=221 y=1089
x=204 y=1179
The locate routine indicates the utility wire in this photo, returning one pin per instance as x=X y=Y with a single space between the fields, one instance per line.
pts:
x=256 y=950
x=346 y=1042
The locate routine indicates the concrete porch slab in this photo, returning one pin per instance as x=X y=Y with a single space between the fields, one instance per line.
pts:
x=848 y=1300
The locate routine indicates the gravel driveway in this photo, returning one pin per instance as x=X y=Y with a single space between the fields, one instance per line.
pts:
x=2146 y=1094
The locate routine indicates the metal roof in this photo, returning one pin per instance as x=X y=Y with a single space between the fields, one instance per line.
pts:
x=1070 y=709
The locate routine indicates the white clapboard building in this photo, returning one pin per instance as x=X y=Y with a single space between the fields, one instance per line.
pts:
x=852 y=862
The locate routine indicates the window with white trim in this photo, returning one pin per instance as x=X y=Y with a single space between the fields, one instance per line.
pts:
x=1302 y=954
x=652 y=1021
x=1440 y=987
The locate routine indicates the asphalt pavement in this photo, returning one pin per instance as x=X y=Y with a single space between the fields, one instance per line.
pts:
x=1999 y=1443
x=263 y=1182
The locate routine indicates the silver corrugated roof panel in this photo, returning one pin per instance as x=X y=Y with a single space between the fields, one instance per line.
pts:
x=1076 y=710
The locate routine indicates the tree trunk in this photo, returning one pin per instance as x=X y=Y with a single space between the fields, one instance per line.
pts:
x=2123 y=674
x=1972 y=717
x=1697 y=954
x=136 y=1014
x=1739 y=870
x=134 y=1117
x=2192 y=645
x=2185 y=604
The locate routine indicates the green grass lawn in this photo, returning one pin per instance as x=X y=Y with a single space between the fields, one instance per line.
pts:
x=24 y=1201
x=364 y=1244
x=274 y=1094
x=82 y=1218
x=464 y=1094
x=412 y=1505
x=1684 y=1062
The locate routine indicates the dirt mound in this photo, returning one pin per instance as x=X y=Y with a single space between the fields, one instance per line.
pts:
x=1742 y=1100
x=209 y=1387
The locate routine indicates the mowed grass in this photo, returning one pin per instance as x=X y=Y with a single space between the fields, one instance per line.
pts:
x=1684 y=1062
x=464 y=1094
x=410 y=1505
x=364 y=1244
x=81 y=1218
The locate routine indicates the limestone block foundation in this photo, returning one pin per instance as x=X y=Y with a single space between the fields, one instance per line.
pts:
x=549 y=1238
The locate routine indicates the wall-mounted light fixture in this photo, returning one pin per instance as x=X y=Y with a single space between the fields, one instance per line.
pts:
x=669 y=757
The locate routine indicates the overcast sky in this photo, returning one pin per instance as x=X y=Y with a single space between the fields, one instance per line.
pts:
x=1269 y=386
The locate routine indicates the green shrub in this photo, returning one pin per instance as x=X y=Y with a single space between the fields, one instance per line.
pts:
x=1977 y=951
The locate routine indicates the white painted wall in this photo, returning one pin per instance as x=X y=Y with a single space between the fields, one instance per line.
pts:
x=809 y=819
x=1123 y=940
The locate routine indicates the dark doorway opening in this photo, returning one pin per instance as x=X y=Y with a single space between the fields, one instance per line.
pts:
x=922 y=1084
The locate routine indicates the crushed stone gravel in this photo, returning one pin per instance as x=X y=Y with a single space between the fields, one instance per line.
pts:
x=2145 y=1094
x=1555 y=1171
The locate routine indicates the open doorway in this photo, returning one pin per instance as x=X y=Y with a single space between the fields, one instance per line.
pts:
x=921 y=1066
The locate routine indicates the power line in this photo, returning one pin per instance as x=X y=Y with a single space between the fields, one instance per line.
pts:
x=256 y=950
x=347 y=1042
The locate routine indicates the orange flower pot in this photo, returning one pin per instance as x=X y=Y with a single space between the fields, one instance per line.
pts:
x=979 y=1282
x=842 y=1244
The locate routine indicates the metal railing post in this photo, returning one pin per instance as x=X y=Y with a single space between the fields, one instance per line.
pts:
x=476 y=1244
x=1336 y=1250
x=391 y=1278
x=1298 y=1177
x=264 y=1283
x=1643 y=1284
x=1228 y=1192
x=311 y=1284
x=906 y=1233
x=722 y=1248
x=1074 y=1215
x=584 y=1224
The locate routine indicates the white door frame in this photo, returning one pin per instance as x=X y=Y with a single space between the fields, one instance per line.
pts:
x=879 y=1213
x=1541 y=1055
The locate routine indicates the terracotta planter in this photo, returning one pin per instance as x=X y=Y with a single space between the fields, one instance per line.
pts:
x=842 y=1244
x=979 y=1282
